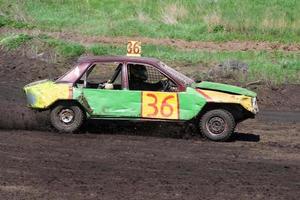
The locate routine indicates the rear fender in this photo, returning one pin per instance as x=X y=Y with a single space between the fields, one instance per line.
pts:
x=43 y=95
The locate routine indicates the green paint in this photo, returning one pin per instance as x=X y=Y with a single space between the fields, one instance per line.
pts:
x=101 y=103
x=190 y=103
x=224 y=88
x=110 y=103
x=127 y=104
x=76 y=92
x=85 y=104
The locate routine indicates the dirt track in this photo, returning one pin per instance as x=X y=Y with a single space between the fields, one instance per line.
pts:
x=131 y=161
x=261 y=163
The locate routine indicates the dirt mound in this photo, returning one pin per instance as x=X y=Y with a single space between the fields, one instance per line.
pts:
x=17 y=70
x=280 y=98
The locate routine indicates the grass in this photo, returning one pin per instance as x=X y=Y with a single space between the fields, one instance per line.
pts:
x=63 y=48
x=192 y=20
x=4 y=21
x=14 y=41
x=273 y=67
x=211 y=20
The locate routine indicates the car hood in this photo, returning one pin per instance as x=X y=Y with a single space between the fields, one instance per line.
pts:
x=224 y=88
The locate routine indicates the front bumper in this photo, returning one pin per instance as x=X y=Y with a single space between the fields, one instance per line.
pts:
x=255 y=109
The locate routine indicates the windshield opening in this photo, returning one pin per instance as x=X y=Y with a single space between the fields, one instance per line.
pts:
x=181 y=77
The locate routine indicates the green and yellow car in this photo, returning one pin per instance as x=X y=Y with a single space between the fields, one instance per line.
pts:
x=139 y=88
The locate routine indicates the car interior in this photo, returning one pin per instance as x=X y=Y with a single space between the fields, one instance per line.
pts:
x=147 y=78
x=102 y=76
x=140 y=77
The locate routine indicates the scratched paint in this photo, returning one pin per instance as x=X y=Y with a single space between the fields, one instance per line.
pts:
x=101 y=103
x=224 y=88
x=42 y=94
x=129 y=104
x=113 y=103
x=221 y=97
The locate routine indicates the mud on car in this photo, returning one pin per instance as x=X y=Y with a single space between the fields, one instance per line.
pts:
x=139 y=88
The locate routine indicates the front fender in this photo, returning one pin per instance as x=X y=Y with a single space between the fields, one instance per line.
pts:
x=247 y=102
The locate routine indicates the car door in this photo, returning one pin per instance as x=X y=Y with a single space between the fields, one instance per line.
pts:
x=155 y=102
x=112 y=102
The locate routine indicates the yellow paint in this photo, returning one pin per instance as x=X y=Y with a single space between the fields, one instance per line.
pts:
x=221 y=97
x=134 y=48
x=47 y=93
x=161 y=105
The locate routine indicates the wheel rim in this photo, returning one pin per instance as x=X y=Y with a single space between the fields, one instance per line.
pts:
x=66 y=116
x=216 y=125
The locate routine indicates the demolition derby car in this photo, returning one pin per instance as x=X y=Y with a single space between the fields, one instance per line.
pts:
x=139 y=88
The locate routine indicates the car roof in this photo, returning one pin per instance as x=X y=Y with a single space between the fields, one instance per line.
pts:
x=90 y=59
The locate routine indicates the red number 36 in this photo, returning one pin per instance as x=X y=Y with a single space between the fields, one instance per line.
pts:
x=160 y=105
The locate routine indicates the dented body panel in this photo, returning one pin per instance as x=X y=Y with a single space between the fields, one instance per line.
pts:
x=224 y=88
x=220 y=97
x=184 y=104
x=43 y=94
x=191 y=103
x=131 y=104
x=113 y=103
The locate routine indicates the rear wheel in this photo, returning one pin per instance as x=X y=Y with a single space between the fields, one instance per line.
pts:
x=66 y=117
x=217 y=125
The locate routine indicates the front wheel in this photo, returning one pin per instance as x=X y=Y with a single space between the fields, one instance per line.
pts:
x=66 y=117
x=217 y=125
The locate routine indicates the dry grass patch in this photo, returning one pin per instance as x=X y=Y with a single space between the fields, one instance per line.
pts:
x=271 y=23
x=143 y=17
x=172 y=13
x=213 y=20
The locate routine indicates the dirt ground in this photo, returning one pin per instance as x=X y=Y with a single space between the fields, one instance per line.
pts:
x=176 y=43
x=113 y=160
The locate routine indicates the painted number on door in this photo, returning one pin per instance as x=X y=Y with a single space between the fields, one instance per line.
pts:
x=162 y=105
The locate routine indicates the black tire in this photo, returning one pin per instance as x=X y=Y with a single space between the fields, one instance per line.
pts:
x=217 y=125
x=67 y=117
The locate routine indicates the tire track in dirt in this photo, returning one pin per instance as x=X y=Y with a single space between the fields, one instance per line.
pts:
x=176 y=43
x=41 y=165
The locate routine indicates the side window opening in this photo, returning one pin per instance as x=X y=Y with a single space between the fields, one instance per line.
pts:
x=148 y=78
x=104 y=76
